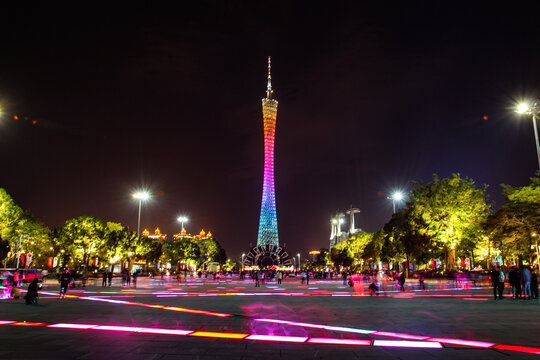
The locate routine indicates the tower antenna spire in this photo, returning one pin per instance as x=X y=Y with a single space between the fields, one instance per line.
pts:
x=269 y=86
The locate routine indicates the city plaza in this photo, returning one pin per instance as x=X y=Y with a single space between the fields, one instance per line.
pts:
x=206 y=318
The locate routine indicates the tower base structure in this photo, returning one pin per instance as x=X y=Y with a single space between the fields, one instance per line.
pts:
x=267 y=256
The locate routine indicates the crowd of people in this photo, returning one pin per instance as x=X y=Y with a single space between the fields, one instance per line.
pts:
x=523 y=281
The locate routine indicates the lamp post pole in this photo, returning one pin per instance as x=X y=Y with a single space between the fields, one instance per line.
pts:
x=181 y=220
x=536 y=139
x=298 y=261
x=531 y=107
x=140 y=196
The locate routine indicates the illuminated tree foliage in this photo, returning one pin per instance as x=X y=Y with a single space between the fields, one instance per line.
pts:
x=446 y=211
x=403 y=239
x=514 y=227
x=350 y=252
x=82 y=237
x=16 y=224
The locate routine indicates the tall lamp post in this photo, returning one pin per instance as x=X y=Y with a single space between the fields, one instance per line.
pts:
x=298 y=261
x=531 y=107
x=182 y=220
x=396 y=197
x=141 y=196
x=243 y=255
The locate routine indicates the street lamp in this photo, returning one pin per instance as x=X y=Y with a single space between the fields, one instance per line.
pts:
x=141 y=195
x=298 y=260
x=243 y=255
x=397 y=196
x=531 y=107
x=182 y=220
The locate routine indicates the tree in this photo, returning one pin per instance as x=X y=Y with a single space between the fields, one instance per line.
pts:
x=446 y=211
x=402 y=237
x=513 y=227
x=83 y=235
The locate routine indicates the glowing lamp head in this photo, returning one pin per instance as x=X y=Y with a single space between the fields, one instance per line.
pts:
x=182 y=219
x=143 y=195
x=398 y=196
x=523 y=108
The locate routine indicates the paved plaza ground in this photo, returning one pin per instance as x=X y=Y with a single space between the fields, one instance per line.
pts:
x=302 y=318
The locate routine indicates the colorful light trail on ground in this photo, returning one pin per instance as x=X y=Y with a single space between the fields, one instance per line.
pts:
x=431 y=343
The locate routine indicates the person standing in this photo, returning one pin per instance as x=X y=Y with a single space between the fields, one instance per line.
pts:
x=501 y=283
x=526 y=282
x=534 y=284
x=495 y=280
x=257 y=279
x=307 y=277
x=109 y=277
x=512 y=280
x=104 y=278
x=279 y=277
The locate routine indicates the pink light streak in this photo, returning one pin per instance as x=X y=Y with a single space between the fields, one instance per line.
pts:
x=405 y=343
x=295 y=339
x=333 y=341
x=463 y=342
x=400 y=335
x=72 y=326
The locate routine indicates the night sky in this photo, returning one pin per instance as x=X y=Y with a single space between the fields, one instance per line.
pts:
x=169 y=99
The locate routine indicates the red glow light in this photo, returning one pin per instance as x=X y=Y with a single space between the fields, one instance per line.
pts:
x=524 y=349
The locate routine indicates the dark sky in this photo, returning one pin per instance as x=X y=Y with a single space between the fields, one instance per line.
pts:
x=169 y=98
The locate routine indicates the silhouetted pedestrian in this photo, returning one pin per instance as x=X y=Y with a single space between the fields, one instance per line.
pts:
x=65 y=279
x=104 y=278
x=109 y=277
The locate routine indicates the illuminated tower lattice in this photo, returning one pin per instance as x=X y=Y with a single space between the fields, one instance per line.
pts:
x=268 y=232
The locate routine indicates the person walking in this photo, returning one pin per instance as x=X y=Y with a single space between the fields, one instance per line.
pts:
x=401 y=280
x=526 y=282
x=64 y=282
x=307 y=277
x=109 y=277
x=104 y=278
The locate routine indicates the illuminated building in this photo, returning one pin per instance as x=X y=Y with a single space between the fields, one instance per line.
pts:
x=268 y=252
x=201 y=236
x=336 y=234
x=313 y=255
x=268 y=232
x=157 y=234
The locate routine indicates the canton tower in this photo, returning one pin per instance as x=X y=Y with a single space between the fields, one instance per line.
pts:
x=268 y=233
